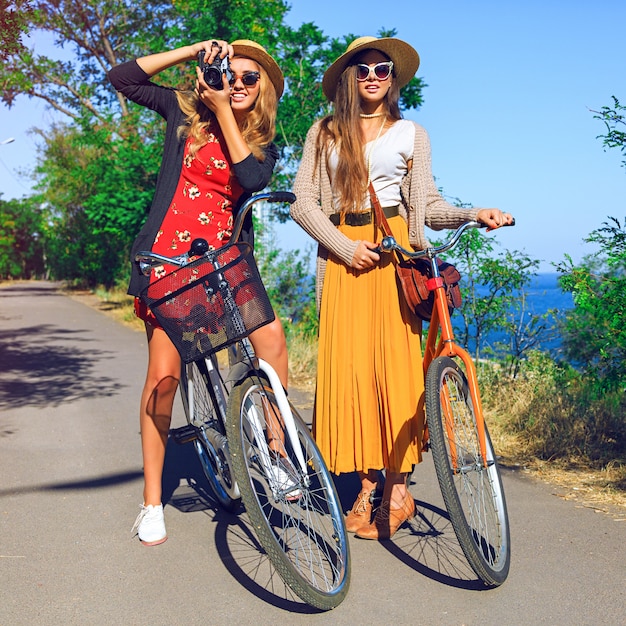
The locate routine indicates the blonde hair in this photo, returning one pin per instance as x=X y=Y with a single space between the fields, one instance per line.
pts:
x=258 y=127
x=342 y=130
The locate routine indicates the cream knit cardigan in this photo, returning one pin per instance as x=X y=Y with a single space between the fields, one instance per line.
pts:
x=423 y=204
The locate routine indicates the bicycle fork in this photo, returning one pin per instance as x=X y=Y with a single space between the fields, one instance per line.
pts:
x=258 y=420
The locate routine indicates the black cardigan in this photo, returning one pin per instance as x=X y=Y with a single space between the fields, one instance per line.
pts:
x=129 y=79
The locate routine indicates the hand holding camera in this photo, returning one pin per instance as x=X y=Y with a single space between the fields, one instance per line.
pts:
x=214 y=70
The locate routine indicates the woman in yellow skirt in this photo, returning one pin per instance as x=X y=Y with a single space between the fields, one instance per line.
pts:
x=369 y=405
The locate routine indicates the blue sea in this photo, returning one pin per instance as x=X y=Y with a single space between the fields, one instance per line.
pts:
x=542 y=295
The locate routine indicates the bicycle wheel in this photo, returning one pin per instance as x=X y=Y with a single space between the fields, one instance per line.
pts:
x=296 y=514
x=202 y=393
x=472 y=490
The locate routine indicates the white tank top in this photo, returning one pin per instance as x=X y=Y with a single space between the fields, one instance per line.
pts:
x=389 y=154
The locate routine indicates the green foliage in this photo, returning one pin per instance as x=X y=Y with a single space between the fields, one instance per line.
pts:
x=97 y=170
x=288 y=280
x=594 y=331
x=21 y=239
x=99 y=187
x=77 y=254
x=92 y=33
x=98 y=167
x=614 y=118
x=491 y=288
x=14 y=16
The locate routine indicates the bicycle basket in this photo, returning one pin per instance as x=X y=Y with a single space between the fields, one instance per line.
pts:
x=211 y=302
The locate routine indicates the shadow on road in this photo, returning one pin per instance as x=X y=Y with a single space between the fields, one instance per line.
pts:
x=427 y=544
x=98 y=482
x=46 y=365
x=186 y=489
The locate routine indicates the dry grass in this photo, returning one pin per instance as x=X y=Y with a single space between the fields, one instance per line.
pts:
x=603 y=489
x=114 y=303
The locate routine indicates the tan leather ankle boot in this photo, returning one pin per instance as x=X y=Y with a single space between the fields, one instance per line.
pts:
x=361 y=512
x=388 y=519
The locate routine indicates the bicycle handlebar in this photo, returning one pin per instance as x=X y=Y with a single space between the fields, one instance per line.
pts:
x=148 y=259
x=389 y=244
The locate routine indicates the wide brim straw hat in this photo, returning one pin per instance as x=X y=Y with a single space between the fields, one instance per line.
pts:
x=405 y=61
x=256 y=52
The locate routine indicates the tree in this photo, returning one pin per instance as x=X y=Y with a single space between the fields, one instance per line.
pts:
x=21 y=239
x=94 y=33
x=594 y=331
x=101 y=157
x=491 y=288
x=14 y=17
x=95 y=175
x=98 y=188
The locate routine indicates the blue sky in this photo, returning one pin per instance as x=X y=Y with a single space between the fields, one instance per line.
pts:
x=511 y=87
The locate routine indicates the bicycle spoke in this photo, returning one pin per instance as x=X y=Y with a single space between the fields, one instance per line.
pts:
x=471 y=485
x=295 y=511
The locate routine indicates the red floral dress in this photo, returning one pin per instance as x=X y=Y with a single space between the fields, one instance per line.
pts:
x=202 y=206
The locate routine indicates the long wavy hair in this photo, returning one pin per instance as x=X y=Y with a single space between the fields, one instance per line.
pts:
x=258 y=127
x=342 y=129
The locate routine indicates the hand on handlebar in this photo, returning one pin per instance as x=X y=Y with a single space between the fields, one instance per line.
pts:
x=365 y=256
x=494 y=218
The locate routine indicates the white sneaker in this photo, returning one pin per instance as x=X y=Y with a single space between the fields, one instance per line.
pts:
x=286 y=478
x=150 y=525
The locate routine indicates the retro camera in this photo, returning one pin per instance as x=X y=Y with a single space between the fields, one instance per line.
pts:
x=213 y=71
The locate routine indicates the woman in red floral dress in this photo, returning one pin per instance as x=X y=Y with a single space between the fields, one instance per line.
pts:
x=218 y=150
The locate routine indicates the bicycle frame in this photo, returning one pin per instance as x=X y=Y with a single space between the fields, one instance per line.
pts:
x=440 y=341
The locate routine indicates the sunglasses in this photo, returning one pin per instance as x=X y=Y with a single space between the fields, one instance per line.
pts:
x=249 y=79
x=382 y=71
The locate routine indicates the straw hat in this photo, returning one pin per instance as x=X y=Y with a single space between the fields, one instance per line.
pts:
x=405 y=61
x=256 y=52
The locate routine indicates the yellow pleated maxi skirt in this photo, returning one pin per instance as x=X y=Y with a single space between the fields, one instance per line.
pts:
x=369 y=411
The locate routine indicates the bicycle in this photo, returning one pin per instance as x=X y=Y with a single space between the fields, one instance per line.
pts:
x=252 y=444
x=456 y=432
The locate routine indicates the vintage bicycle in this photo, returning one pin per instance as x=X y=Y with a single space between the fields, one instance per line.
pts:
x=456 y=432
x=252 y=444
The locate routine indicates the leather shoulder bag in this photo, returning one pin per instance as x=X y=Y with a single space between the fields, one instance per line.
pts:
x=413 y=273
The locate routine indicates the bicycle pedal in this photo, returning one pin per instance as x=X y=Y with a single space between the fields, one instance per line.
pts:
x=184 y=434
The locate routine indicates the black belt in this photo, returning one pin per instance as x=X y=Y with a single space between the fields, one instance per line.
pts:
x=362 y=218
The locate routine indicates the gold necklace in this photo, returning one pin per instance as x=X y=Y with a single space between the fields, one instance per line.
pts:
x=369 y=116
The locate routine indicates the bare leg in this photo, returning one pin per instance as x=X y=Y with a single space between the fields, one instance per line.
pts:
x=395 y=490
x=270 y=345
x=369 y=480
x=155 y=413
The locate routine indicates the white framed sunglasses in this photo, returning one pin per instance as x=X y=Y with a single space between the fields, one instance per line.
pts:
x=382 y=71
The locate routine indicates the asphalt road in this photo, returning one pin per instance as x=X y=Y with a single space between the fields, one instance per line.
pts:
x=70 y=488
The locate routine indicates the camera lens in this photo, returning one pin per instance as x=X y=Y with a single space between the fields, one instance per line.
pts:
x=213 y=77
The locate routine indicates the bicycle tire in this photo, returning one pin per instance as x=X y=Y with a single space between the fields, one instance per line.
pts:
x=299 y=522
x=473 y=494
x=210 y=444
